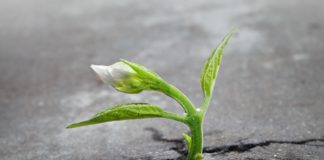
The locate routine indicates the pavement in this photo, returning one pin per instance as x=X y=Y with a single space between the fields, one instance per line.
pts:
x=268 y=101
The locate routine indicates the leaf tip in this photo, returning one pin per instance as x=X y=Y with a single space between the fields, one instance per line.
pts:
x=80 y=124
x=70 y=126
x=229 y=36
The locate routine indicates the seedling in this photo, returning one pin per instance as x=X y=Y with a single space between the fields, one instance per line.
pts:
x=129 y=77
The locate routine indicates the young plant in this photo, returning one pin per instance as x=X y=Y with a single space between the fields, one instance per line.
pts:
x=129 y=77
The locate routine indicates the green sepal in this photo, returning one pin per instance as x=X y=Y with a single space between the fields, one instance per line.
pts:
x=187 y=139
x=152 y=79
x=211 y=67
x=141 y=70
x=122 y=112
x=132 y=85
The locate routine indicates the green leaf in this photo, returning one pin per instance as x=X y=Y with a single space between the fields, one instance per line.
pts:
x=211 y=67
x=187 y=138
x=123 y=112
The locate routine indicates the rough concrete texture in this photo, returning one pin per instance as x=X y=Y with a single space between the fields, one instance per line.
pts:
x=268 y=101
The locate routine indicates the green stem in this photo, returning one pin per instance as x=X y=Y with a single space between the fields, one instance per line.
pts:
x=194 y=118
x=195 y=123
x=181 y=98
x=205 y=104
x=196 y=147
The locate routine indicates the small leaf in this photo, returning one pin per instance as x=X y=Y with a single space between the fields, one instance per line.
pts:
x=211 y=67
x=187 y=138
x=122 y=112
x=199 y=156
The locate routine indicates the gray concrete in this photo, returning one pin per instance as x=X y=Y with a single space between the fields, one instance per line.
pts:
x=268 y=102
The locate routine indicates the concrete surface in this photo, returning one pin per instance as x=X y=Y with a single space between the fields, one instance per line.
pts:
x=268 y=102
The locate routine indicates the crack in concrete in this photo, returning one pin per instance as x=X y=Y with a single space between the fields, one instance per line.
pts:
x=180 y=146
x=243 y=147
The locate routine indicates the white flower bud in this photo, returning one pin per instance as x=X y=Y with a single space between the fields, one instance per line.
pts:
x=109 y=74
x=121 y=76
x=103 y=73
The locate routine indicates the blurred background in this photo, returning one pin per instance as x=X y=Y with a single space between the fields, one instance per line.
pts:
x=270 y=87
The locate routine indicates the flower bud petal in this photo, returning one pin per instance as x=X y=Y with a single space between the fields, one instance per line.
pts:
x=103 y=73
x=120 y=70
